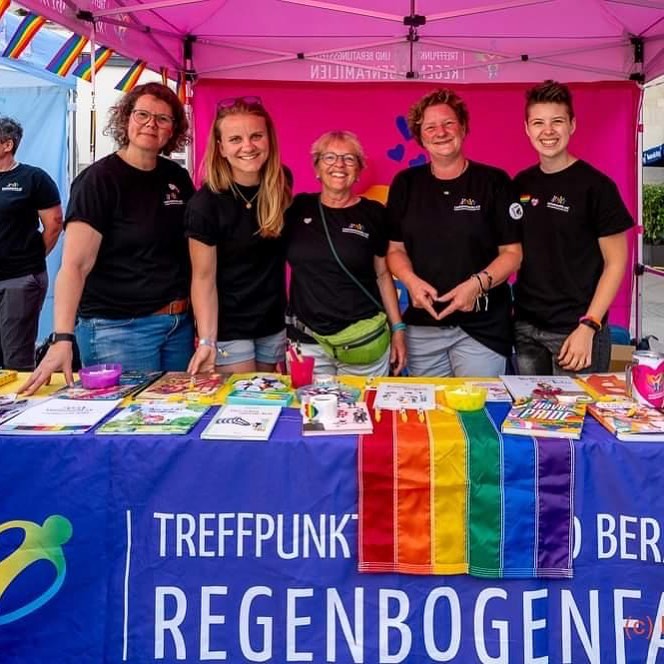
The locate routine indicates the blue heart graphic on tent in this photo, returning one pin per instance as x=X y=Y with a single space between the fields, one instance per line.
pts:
x=418 y=161
x=402 y=126
x=396 y=153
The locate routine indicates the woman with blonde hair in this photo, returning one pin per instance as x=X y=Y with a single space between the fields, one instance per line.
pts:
x=234 y=225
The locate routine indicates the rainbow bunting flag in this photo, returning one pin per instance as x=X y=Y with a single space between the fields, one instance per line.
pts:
x=84 y=67
x=452 y=495
x=181 y=89
x=129 y=80
x=4 y=6
x=64 y=59
x=23 y=36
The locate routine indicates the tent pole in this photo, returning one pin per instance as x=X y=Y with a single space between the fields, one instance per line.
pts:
x=189 y=79
x=72 y=157
x=93 y=110
x=638 y=267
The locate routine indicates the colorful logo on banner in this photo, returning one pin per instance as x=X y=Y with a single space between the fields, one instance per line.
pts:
x=39 y=543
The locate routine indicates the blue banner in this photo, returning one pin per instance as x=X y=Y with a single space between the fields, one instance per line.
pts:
x=169 y=549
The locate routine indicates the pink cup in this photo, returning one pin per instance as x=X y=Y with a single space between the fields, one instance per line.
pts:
x=302 y=371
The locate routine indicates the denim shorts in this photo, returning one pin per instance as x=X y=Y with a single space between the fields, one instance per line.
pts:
x=265 y=350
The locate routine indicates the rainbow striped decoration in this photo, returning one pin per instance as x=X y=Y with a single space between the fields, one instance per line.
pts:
x=129 y=80
x=23 y=36
x=64 y=59
x=4 y=6
x=84 y=68
x=163 y=71
x=452 y=495
x=181 y=88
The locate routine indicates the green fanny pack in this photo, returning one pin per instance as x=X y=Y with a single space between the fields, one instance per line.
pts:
x=363 y=342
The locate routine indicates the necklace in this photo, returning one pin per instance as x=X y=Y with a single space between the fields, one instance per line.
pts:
x=248 y=202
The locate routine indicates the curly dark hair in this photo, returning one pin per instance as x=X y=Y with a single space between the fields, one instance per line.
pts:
x=118 y=119
x=550 y=92
x=440 y=96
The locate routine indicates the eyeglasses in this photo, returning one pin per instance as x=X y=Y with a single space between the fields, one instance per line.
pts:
x=348 y=159
x=229 y=102
x=143 y=117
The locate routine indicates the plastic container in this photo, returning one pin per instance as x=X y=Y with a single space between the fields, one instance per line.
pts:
x=100 y=375
x=302 y=371
x=465 y=398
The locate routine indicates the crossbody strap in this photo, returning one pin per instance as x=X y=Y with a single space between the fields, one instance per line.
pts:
x=341 y=265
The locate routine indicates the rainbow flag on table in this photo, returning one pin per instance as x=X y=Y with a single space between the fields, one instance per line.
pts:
x=129 y=80
x=23 y=36
x=452 y=495
x=84 y=68
x=64 y=59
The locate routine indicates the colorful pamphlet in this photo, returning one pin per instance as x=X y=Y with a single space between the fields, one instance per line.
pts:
x=403 y=396
x=606 y=386
x=344 y=393
x=242 y=423
x=58 y=416
x=260 y=390
x=544 y=418
x=629 y=421
x=495 y=389
x=553 y=388
x=180 y=386
x=154 y=418
x=7 y=376
x=130 y=382
x=350 y=419
x=13 y=407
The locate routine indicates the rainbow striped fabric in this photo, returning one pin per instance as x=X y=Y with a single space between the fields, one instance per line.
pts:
x=23 y=36
x=4 y=6
x=84 y=68
x=129 y=80
x=65 y=58
x=452 y=495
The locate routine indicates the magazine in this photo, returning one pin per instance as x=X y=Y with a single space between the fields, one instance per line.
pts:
x=606 y=386
x=180 y=386
x=553 y=388
x=130 y=382
x=351 y=419
x=260 y=390
x=401 y=396
x=154 y=418
x=545 y=418
x=58 y=416
x=629 y=421
x=242 y=423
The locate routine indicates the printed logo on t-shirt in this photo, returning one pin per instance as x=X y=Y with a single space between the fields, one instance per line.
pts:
x=467 y=205
x=516 y=211
x=355 y=229
x=173 y=196
x=558 y=203
x=12 y=186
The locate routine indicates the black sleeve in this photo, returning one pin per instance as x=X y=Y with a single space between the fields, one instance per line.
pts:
x=380 y=230
x=609 y=214
x=46 y=194
x=93 y=198
x=201 y=218
x=397 y=202
x=507 y=211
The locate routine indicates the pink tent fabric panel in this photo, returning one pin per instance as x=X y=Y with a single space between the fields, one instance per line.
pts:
x=606 y=130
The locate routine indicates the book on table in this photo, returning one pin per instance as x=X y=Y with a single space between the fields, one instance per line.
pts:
x=130 y=383
x=405 y=396
x=350 y=419
x=544 y=418
x=553 y=388
x=606 y=386
x=260 y=389
x=629 y=421
x=233 y=422
x=181 y=386
x=154 y=418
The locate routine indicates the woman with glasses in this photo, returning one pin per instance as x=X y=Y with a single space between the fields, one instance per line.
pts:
x=234 y=224
x=336 y=244
x=124 y=278
x=455 y=239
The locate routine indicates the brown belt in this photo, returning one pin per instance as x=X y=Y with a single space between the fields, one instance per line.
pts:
x=174 y=307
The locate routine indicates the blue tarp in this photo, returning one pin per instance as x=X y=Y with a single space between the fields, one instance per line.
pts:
x=39 y=101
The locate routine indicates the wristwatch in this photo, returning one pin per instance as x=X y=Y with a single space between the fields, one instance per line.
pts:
x=54 y=337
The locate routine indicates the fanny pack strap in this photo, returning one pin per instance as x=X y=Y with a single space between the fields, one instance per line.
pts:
x=299 y=325
x=341 y=265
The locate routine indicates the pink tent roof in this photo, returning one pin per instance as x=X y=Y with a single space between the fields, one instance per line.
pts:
x=364 y=40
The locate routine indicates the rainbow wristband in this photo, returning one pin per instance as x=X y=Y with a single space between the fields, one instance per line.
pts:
x=398 y=327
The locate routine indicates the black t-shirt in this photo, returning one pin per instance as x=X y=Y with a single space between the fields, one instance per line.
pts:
x=322 y=295
x=23 y=191
x=143 y=262
x=251 y=279
x=452 y=229
x=564 y=215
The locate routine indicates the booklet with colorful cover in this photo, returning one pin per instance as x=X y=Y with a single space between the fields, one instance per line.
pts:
x=606 y=386
x=629 y=421
x=130 y=382
x=154 y=418
x=260 y=390
x=552 y=388
x=58 y=416
x=350 y=419
x=544 y=418
x=180 y=386
x=235 y=422
x=403 y=396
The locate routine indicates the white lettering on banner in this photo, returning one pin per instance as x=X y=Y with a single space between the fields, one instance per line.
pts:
x=296 y=614
x=336 y=72
x=630 y=530
x=576 y=549
x=501 y=626
x=245 y=534
x=570 y=611
x=531 y=625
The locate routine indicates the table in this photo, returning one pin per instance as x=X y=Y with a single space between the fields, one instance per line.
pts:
x=190 y=550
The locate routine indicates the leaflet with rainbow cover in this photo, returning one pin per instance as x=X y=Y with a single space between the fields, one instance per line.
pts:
x=545 y=418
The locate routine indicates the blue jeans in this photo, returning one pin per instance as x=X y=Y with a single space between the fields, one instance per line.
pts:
x=149 y=343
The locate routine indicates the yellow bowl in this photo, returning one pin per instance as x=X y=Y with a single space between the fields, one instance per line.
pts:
x=465 y=398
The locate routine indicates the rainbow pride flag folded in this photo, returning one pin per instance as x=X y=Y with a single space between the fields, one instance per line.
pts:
x=66 y=56
x=452 y=495
x=84 y=67
x=129 y=80
x=24 y=34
